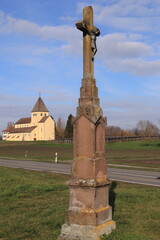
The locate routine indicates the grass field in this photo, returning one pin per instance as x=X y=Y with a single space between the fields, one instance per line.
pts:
x=33 y=207
x=143 y=153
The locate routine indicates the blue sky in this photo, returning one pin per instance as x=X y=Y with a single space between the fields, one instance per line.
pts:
x=41 y=51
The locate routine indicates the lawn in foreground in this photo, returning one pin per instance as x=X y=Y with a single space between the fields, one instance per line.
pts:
x=33 y=206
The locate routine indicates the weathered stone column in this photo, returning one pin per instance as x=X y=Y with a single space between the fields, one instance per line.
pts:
x=89 y=213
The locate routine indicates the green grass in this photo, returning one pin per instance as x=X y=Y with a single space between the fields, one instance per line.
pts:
x=32 y=204
x=141 y=144
x=33 y=207
x=137 y=213
x=144 y=153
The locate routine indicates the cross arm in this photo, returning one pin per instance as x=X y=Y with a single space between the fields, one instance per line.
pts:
x=82 y=25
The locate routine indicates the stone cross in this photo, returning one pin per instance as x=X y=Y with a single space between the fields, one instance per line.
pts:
x=89 y=214
x=90 y=33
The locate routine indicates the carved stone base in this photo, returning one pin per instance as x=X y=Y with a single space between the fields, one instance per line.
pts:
x=86 y=232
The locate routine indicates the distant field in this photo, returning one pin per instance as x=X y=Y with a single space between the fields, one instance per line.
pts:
x=44 y=151
x=33 y=206
x=137 y=153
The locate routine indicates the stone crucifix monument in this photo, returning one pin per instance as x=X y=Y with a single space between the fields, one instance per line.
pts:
x=89 y=215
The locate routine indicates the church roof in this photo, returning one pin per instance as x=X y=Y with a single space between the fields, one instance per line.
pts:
x=40 y=106
x=22 y=130
x=23 y=120
x=43 y=119
x=8 y=129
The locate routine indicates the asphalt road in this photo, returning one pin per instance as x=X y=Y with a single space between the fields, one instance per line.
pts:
x=117 y=174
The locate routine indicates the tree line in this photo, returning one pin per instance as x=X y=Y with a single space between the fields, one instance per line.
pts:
x=62 y=130
x=143 y=128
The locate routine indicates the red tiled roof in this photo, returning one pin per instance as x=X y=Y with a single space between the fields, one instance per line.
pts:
x=8 y=129
x=43 y=119
x=23 y=120
x=22 y=130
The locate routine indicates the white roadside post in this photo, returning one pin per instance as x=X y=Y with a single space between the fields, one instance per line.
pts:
x=56 y=159
x=26 y=154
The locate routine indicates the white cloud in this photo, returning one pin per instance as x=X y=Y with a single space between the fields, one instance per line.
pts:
x=132 y=48
x=135 y=66
x=31 y=55
x=122 y=54
x=67 y=39
x=126 y=112
x=131 y=15
x=119 y=46
x=10 y=25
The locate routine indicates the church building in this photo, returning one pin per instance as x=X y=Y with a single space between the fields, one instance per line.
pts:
x=39 y=127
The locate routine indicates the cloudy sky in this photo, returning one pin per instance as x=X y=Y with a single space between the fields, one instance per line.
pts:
x=41 y=51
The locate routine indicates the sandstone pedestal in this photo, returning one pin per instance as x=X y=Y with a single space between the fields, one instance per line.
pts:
x=83 y=232
x=89 y=215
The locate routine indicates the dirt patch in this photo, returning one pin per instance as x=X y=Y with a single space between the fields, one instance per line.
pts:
x=36 y=152
x=134 y=157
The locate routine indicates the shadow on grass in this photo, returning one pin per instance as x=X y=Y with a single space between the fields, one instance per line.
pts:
x=112 y=195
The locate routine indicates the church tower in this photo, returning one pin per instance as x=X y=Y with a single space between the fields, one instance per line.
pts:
x=40 y=110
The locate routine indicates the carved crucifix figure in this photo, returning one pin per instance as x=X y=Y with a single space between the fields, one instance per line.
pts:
x=90 y=33
x=94 y=34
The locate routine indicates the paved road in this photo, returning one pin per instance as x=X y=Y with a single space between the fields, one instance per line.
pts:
x=122 y=175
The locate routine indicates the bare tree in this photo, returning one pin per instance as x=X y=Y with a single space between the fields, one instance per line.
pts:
x=117 y=131
x=113 y=131
x=10 y=124
x=146 y=128
x=60 y=128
